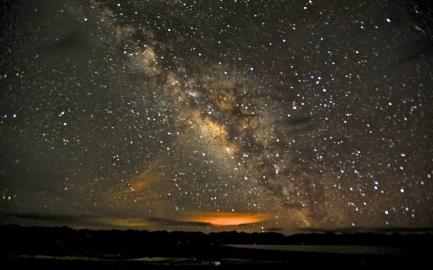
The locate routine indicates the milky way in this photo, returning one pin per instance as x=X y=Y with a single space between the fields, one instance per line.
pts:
x=217 y=115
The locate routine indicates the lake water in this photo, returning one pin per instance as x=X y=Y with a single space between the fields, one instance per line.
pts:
x=333 y=249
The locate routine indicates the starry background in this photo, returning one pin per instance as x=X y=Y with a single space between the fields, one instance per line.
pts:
x=215 y=115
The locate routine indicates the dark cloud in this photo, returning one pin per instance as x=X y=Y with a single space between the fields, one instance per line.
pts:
x=95 y=221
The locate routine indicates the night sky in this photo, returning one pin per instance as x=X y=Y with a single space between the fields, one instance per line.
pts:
x=217 y=115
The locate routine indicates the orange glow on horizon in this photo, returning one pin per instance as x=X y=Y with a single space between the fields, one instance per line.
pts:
x=227 y=219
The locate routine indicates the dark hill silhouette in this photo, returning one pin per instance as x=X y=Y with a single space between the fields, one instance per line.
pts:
x=62 y=247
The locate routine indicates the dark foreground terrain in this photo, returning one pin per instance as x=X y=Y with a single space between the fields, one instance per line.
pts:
x=65 y=248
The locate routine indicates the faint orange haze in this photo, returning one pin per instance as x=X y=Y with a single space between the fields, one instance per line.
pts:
x=227 y=219
x=146 y=178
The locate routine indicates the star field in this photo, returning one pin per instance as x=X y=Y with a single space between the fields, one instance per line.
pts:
x=208 y=115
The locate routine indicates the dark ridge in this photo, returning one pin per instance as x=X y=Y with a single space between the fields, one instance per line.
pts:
x=66 y=248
